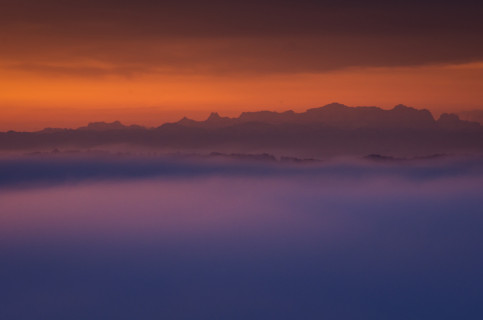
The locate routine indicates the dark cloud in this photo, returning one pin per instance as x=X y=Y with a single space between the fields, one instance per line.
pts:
x=230 y=18
x=215 y=36
x=82 y=71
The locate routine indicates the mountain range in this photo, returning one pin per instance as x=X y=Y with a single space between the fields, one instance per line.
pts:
x=334 y=129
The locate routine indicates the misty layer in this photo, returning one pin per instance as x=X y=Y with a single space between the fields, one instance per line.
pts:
x=339 y=241
x=42 y=170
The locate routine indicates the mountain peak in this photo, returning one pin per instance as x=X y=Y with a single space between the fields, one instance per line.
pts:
x=335 y=106
x=406 y=109
x=402 y=107
x=453 y=121
x=331 y=106
x=213 y=116
x=448 y=118
x=101 y=126
x=186 y=120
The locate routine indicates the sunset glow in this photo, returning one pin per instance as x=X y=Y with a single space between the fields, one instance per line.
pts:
x=100 y=61
x=241 y=160
x=151 y=99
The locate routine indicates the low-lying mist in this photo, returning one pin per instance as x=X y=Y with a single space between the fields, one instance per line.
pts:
x=184 y=238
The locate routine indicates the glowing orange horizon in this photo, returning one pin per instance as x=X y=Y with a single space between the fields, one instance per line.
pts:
x=34 y=100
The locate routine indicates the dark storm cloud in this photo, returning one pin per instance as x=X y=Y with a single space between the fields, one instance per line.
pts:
x=249 y=36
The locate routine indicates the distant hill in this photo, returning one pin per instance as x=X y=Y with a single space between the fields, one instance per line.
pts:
x=334 y=115
x=334 y=129
x=472 y=115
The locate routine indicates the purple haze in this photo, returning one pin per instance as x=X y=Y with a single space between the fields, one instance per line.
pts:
x=243 y=241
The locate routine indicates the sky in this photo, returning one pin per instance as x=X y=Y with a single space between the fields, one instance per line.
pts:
x=66 y=63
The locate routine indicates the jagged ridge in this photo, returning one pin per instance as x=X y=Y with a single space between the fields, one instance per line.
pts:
x=332 y=129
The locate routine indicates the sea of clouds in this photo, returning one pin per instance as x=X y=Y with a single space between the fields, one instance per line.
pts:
x=169 y=238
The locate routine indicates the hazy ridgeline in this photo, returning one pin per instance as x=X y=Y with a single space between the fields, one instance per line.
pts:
x=151 y=238
x=331 y=130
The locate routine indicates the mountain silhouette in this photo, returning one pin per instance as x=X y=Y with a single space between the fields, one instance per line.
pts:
x=472 y=115
x=334 y=129
x=334 y=115
x=104 y=126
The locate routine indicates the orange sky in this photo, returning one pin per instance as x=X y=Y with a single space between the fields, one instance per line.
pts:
x=67 y=63
x=34 y=101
